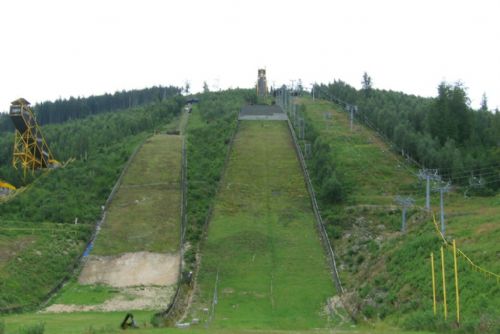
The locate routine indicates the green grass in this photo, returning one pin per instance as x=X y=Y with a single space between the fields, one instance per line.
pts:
x=74 y=293
x=33 y=257
x=145 y=213
x=262 y=240
x=102 y=322
x=389 y=271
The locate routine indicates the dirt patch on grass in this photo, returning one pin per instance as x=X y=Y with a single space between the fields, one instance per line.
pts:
x=10 y=248
x=486 y=228
x=137 y=298
x=131 y=269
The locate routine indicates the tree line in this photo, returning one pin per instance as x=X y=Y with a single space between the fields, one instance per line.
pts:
x=63 y=110
x=443 y=132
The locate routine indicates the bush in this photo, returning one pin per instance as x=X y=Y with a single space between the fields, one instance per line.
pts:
x=369 y=311
x=33 y=329
x=332 y=190
x=156 y=320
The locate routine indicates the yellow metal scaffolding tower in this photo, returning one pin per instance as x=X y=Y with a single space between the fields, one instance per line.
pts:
x=30 y=148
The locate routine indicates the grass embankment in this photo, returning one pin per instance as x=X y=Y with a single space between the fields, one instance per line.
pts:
x=262 y=242
x=389 y=272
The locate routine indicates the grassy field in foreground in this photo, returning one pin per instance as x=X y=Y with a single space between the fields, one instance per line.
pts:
x=262 y=243
x=108 y=323
x=145 y=213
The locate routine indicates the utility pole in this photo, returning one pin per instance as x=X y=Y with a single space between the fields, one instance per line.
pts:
x=442 y=188
x=352 y=109
x=312 y=90
x=405 y=202
x=428 y=175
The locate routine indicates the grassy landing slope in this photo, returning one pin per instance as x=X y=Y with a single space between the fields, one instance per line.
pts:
x=262 y=240
x=143 y=216
x=145 y=213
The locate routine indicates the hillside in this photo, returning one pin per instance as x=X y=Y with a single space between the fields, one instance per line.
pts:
x=263 y=260
x=388 y=272
x=134 y=261
x=40 y=241
x=251 y=238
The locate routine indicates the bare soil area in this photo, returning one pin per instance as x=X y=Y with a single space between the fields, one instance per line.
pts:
x=131 y=269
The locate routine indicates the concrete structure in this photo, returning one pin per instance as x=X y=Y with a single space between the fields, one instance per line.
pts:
x=262 y=113
x=261 y=83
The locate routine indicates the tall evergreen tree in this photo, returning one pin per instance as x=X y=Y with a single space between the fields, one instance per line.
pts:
x=367 y=84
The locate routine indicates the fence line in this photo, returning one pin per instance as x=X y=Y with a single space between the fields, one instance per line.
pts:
x=319 y=220
x=461 y=253
x=175 y=299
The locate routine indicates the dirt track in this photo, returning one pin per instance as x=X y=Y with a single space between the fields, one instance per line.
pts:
x=131 y=269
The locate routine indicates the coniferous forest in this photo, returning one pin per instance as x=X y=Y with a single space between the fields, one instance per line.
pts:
x=62 y=110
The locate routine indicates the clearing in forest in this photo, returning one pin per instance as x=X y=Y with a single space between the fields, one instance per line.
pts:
x=262 y=264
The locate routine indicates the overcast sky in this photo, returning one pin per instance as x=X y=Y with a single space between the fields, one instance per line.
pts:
x=51 y=49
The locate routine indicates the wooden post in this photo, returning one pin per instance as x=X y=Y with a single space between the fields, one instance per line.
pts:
x=457 y=294
x=444 y=284
x=433 y=286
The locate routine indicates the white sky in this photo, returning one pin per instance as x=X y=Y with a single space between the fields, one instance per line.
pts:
x=51 y=49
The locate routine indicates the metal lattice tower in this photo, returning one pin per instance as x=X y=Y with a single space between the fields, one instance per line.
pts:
x=352 y=109
x=30 y=148
x=428 y=175
x=405 y=202
x=442 y=188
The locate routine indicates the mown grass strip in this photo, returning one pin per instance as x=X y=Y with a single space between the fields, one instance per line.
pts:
x=262 y=239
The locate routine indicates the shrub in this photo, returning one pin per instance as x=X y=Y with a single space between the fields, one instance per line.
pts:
x=332 y=190
x=33 y=329
x=156 y=320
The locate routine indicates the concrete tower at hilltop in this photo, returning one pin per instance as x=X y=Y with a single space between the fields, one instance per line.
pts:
x=261 y=83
